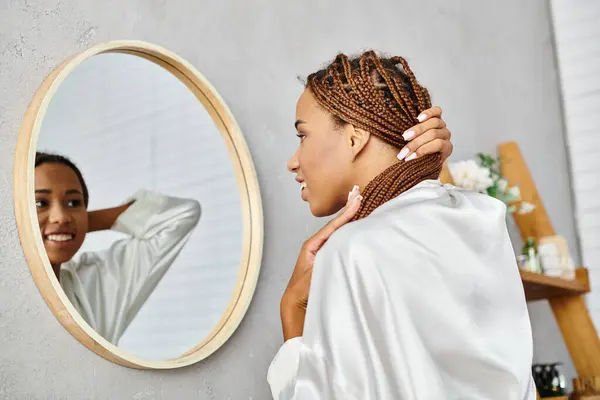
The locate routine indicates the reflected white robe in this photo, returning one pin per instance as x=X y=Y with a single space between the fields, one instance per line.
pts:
x=108 y=288
x=420 y=300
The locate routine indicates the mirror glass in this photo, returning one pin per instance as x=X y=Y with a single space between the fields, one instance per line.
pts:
x=138 y=205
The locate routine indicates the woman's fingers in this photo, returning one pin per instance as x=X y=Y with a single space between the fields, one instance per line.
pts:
x=423 y=127
x=420 y=146
x=434 y=111
x=431 y=129
x=435 y=146
x=447 y=150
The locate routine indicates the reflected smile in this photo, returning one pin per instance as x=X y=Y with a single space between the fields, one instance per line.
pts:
x=60 y=237
x=60 y=240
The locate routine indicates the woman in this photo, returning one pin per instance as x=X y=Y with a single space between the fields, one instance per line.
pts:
x=419 y=296
x=107 y=288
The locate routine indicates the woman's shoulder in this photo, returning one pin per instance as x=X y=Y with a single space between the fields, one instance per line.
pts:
x=383 y=224
x=422 y=222
x=86 y=260
x=360 y=240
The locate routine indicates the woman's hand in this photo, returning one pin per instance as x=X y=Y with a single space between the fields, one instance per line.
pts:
x=429 y=137
x=295 y=298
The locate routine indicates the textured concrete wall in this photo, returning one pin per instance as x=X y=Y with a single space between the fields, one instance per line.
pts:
x=489 y=64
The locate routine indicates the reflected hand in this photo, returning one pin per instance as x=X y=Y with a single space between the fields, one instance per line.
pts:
x=295 y=298
x=430 y=136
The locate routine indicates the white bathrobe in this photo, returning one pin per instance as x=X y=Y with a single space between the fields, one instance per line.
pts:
x=108 y=288
x=420 y=300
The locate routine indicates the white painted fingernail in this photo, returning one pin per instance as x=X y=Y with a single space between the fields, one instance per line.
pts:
x=411 y=157
x=408 y=135
x=358 y=198
x=402 y=154
x=354 y=190
x=422 y=117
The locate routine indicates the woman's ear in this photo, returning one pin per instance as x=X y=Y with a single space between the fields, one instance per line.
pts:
x=357 y=140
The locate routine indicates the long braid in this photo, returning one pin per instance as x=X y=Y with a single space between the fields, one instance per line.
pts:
x=381 y=96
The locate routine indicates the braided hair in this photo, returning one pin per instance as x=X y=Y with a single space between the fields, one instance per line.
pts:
x=383 y=97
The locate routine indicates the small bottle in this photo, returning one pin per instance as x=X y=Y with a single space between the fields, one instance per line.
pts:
x=558 y=385
x=533 y=262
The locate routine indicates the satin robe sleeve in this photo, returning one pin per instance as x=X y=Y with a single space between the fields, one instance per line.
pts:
x=333 y=358
x=110 y=287
x=159 y=227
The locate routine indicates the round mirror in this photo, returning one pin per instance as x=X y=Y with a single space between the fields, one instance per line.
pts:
x=138 y=206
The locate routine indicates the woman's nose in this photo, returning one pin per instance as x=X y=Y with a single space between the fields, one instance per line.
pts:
x=293 y=164
x=58 y=215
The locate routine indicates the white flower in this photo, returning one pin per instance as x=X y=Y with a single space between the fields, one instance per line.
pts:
x=502 y=184
x=515 y=192
x=526 y=207
x=469 y=175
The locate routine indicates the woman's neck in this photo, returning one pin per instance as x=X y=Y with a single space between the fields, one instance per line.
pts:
x=373 y=161
x=56 y=269
x=397 y=178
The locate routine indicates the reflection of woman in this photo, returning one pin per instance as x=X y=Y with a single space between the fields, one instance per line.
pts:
x=419 y=296
x=107 y=288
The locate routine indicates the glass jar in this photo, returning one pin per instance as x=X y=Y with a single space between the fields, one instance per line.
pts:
x=532 y=263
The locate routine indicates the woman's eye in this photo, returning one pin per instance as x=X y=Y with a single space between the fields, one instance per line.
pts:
x=41 y=203
x=301 y=137
x=74 y=203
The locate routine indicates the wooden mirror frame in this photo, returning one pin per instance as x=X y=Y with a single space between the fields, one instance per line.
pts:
x=31 y=238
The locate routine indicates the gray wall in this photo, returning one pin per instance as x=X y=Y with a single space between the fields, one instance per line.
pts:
x=489 y=65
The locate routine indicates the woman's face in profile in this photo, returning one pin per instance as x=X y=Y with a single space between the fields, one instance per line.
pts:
x=322 y=163
x=62 y=214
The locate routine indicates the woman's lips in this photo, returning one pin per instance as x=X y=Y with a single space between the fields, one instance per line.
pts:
x=59 y=239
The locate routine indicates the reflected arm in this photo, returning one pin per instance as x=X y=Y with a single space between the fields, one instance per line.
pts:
x=158 y=226
x=101 y=220
x=157 y=220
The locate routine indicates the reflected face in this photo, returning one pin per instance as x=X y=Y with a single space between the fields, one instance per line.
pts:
x=323 y=161
x=61 y=211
